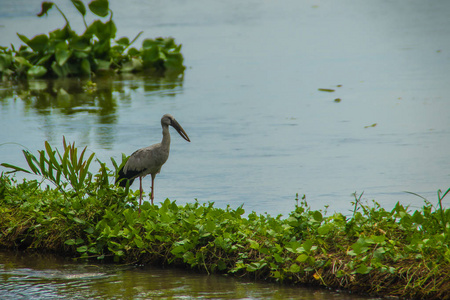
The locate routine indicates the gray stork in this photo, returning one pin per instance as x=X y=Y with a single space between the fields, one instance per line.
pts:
x=149 y=160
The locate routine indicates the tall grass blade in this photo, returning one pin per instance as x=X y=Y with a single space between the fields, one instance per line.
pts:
x=73 y=156
x=30 y=158
x=425 y=199
x=441 y=209
x=15 y=168
x=42 y=162
x=50 y=170
x=80 y=160
x=114 y=164
x=85 y=169
x=52 y=158
x=136 y=37
x=58 y=177
x=357 y=201
x=65 y=162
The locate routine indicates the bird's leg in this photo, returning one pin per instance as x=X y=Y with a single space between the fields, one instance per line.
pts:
x=140 y=189
x=152 y=196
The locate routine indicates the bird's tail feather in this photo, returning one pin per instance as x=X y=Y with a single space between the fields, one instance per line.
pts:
x=123 y=178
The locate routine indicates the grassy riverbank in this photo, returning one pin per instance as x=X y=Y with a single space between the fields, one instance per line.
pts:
x=374 y=251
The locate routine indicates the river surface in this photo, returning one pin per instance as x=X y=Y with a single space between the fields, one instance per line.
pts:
x=261 y=129
x=37 y=276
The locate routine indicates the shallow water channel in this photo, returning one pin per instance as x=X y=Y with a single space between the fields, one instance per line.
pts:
x=250 y=100
x=37 y=276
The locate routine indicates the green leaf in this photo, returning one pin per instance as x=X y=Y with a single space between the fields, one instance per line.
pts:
x=51 y=154
x=124 y=41
x=174 y=61
x=22 y=61
x=293 y=247
x=23 y=38
x=61 y=34
x=133 y=52
x=80 y=6
x=317 y=216
x=61 y=71
x=99 y=7
x=130 y=66
x=178 y=250
x=324 y=229
x=62 y=54
x=302 y=258
x=377 y=239
x=5 y=61
x=79 y=221
x=363 y=269
x=15 y=168
x=151 y=55
x=70 y=242
x=294 y=268
x=307 y=245
x=85 y=67
x=189 y=257
x=80 y=159
x=44 y=59
x=103 y=65
x=278 y=258
x=82 y=249
x=255 y=266
x=149 y=44
x=58 y=176
x=39 y=43
x=379 y=253
x=106 y=31
x=113 y=161
x=138 y=241
x=36 y=71
x=30 y=158
x=46 y=6
x=359 y=247
x=101 y=48
x=81 y=43
x=254 y=244
x=85 y=169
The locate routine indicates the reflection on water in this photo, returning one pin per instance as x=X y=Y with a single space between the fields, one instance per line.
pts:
x=37 y=276
x=95 y=100
x=69 y=96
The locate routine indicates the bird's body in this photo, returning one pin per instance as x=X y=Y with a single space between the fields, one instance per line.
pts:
x=149 y=160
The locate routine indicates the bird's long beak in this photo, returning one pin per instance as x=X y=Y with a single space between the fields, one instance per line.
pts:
x=180 y=130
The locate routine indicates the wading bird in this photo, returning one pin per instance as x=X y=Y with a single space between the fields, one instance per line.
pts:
x=149 y=160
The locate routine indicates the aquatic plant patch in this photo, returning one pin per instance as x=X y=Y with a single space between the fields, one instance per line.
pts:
x=64 y=53
x=373 y=251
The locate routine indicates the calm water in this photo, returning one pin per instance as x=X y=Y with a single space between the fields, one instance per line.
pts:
x=261 y=130
x=35 y=276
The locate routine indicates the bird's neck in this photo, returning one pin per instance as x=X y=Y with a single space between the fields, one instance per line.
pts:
x=166 y=137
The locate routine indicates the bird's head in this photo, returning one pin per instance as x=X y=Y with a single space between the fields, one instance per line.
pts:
x=168 y=119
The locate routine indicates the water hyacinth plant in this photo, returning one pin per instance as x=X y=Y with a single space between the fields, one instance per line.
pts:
x=64 y=53
x=373 y=251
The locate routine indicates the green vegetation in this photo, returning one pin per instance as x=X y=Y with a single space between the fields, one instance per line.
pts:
x=378 y=252
x=64 y=53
